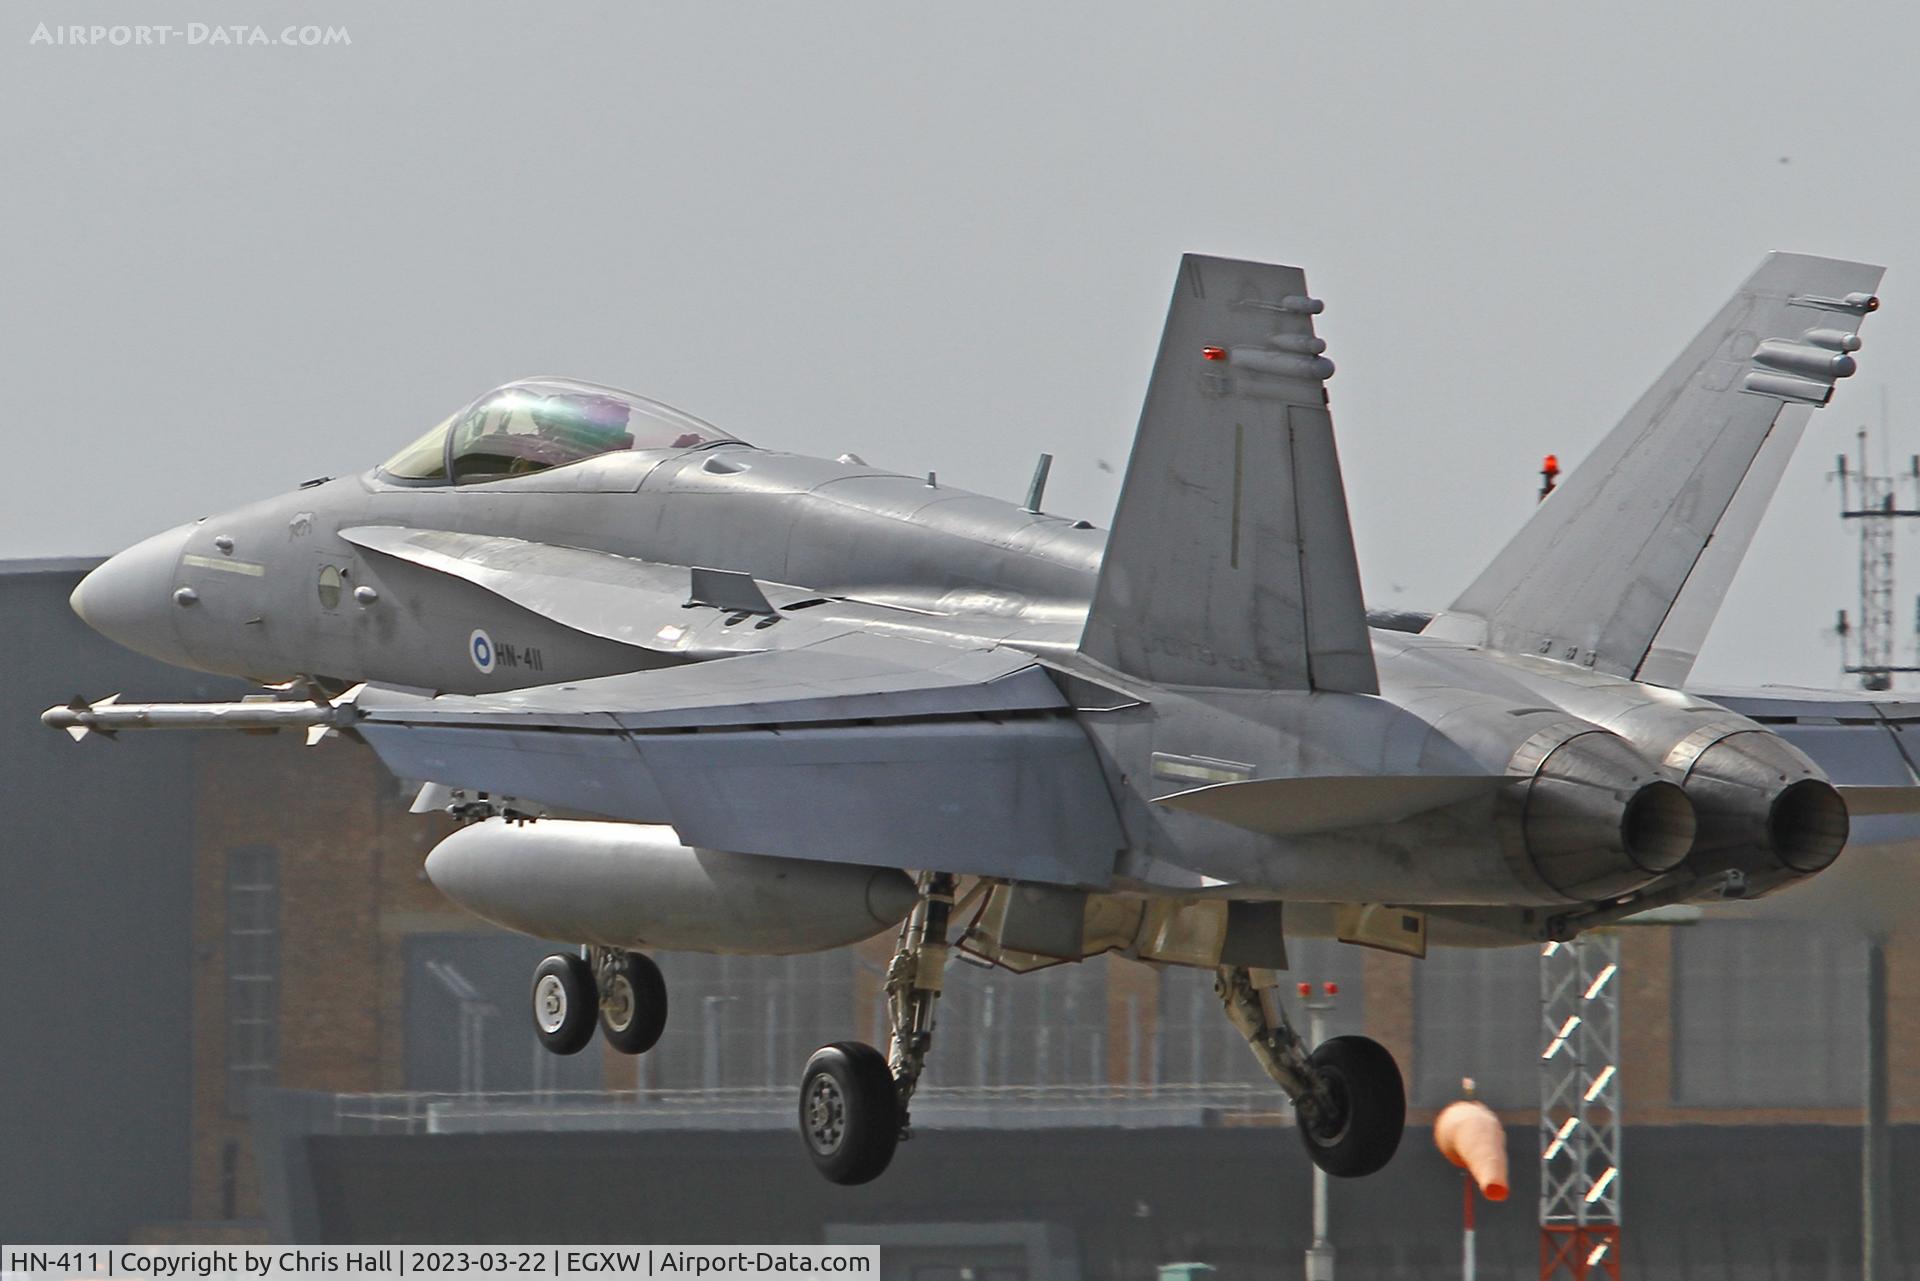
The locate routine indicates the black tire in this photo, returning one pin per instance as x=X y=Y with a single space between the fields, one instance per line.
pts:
x=1370 y=1108
x=564 y=1004
x=849 y=1112
x=633 y=1004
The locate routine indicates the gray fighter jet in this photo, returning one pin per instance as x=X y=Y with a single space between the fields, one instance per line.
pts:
x=691 y=694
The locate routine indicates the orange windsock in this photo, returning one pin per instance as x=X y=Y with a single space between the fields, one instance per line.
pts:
x=1470 y=1135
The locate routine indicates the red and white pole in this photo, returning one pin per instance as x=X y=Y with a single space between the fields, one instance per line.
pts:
x=1466 y=1231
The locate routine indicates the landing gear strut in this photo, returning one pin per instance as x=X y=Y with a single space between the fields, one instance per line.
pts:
x=623 y=990
x=1347 y=1093
x=854 y=1101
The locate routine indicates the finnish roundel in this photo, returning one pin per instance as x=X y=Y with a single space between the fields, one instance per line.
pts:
x=480 y=649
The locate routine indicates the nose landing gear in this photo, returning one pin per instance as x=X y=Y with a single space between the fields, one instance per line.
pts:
x=563 y=1002
x=623 y=991
x=633 y=1000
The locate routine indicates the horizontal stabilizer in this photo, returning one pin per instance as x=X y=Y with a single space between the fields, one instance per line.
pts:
x=1874 y=802
x=1301 y=806
x=1861 y=740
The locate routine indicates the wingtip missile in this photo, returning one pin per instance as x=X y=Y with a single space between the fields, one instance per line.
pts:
x=107 y=716
x=77 y=717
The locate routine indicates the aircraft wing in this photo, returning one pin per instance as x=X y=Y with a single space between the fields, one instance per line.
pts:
x=860 y=749
x=1867 y=744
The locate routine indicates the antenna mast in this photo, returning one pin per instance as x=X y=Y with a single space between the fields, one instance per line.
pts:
x=1869 y=499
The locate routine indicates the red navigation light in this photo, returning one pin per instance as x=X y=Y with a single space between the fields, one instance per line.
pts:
x=1550 y=466
x=1213 y=353
x=1306 y=989
x=1333 y=989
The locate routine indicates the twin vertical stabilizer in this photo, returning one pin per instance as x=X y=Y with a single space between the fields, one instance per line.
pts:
x=1624 y=567
x=1231 y=559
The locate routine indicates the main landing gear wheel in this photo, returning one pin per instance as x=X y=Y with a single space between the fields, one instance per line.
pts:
x=564 y=1003
x=849 y=1112
x=1369 y=1108
x=633 y=1002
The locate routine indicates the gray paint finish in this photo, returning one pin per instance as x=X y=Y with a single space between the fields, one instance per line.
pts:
x=923 y=677
x=1231 y=561
x=1593 y=575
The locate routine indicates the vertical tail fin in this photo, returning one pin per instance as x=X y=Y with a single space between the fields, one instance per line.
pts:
x=1593 y=578
x=1231 y=560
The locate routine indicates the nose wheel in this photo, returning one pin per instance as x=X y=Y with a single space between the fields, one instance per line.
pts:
x=622 y=991
x=633 y=1002
x=563 y=1004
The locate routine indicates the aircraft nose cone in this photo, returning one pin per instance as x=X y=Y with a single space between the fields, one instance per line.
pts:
x=130 y=598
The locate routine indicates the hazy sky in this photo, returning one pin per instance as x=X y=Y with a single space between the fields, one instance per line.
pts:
x=940 y=238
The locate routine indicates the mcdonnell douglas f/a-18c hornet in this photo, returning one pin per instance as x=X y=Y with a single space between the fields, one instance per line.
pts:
x=691 y=694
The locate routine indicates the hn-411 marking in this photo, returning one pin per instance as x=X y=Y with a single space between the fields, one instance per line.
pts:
x=758 y=702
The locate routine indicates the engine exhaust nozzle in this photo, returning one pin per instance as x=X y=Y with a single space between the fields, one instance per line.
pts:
x=1765 y=810
x=1597 y=820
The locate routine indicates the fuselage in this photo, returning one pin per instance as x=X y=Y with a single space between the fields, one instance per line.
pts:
x=273 y=590
x=274 y=585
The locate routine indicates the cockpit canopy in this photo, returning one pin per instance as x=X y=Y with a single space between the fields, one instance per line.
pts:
x=540 y=423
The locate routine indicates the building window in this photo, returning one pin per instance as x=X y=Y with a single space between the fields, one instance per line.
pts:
x=1476 y=1013
x=1768 y=1014
x=253 y=972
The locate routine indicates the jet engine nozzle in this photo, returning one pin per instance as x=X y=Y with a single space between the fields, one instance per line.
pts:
x=1764 y=808
x=1597 y=820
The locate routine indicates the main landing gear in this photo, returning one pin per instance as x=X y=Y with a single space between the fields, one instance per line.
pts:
x=853 y=1099
x=1347 y=1094
x=622 y=991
